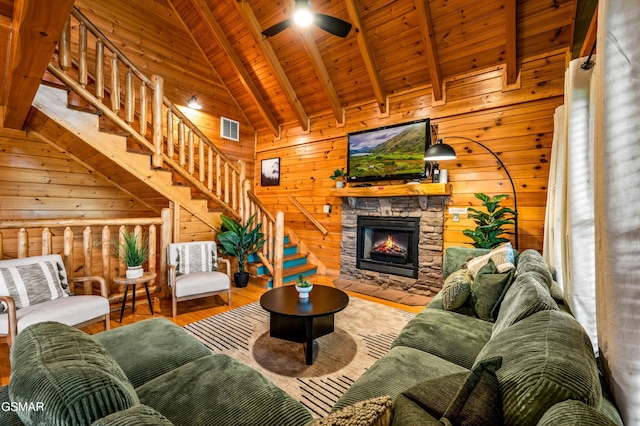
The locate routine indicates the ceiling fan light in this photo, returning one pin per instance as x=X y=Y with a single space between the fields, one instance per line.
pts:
x=303 y=16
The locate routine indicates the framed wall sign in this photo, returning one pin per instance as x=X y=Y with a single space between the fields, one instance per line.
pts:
x=270 y=172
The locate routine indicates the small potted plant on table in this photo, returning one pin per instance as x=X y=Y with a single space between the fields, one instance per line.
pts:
x=133 y=251
x=304 y=287
x=240 y=241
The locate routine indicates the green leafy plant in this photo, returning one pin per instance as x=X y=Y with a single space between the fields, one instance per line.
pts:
x=134 y=252
x=240 y=241
x=490 y=223
x=338 y=174
x=301 y=282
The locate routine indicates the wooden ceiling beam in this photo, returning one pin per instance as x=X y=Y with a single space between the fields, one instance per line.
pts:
x=511 y=54
x=321 y=71
x=35 y=32
x=243 y=75
x=367 y=55
x=252 y=23
x=431 y=51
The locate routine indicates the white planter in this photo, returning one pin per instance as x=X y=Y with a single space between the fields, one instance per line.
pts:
x=303 y=292
x=339 y=184
x=134 y=272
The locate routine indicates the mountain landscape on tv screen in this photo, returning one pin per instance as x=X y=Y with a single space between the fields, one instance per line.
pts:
x=401 y=154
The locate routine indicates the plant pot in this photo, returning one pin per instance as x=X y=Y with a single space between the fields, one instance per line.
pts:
x=303 y=292
x=339 y=184
x=134 y=272
x=241 y=279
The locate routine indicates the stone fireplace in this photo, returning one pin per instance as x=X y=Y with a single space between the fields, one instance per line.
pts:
x=393 y=242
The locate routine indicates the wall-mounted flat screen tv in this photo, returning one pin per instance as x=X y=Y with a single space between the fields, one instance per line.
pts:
x=387 y=153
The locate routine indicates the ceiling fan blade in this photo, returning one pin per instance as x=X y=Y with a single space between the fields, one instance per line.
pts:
x=332 y=25
x=275 y=29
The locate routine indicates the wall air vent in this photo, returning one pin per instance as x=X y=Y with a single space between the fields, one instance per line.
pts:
x=229 y=129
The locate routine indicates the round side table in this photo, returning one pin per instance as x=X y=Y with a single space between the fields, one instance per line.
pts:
x=144 y=279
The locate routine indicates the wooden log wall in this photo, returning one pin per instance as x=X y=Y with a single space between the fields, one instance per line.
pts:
x=515 y=121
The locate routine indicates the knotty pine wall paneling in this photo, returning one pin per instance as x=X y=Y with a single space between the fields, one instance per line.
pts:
x=516 y=122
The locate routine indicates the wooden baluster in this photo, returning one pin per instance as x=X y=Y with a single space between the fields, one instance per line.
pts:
x=46 y=241
x=181 y=152
x=278 y=250
x=210 y=170
x=130 y=98
x=226 y=182
x=270 y=240
x=122 y=267
x=106 y=257
x=152 y=248
x=99 y=69
x=67 y=251
x=191 y=153
x=143 y=110
x=115 y=85
x=23 y=243
x=201 y=169
x=87 y=249
x=218 y=176
x=64 y=46
x=241 y=189
x=234 y=191
x=82 y=55
x=156 y=119
x=170 y=148
x=165 y=240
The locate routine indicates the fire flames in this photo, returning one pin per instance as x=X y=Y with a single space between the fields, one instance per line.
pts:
x=389 y=247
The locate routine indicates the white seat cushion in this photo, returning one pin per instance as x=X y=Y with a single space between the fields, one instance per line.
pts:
x=71 y=311
x=201 y=282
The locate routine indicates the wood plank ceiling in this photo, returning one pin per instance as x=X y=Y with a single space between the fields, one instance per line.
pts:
x=214 y=49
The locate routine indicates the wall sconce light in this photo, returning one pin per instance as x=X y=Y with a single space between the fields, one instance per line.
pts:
x=193 y=103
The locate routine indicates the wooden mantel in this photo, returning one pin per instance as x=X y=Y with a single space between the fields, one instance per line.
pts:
x=421 y=190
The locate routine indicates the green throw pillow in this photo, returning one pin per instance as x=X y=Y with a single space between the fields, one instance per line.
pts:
x=138 y=415
x=488 y=290
x=70 y=373
x=372 y=412
x=463 y=399
x=456 y=289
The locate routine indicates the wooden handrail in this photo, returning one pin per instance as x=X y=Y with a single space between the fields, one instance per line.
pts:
x=309 y=216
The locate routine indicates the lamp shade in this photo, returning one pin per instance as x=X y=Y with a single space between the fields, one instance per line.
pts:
x=440 y=151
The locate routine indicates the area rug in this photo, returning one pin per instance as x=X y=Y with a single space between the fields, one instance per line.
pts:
x=364 y=331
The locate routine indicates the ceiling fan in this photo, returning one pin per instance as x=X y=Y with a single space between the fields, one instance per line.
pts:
x=303 y=16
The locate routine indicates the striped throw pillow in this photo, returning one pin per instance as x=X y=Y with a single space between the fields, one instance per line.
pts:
x=31 y=284
x=196 y=258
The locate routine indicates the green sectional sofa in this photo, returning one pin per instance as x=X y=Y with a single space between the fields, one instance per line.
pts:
x=530 y=355
x=148 y=373
x=505 y=351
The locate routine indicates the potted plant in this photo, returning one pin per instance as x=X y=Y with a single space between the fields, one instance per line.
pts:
x=338 y=175
x=133 y=251
x=240 y=241
x=490 y=223
x=303 y=287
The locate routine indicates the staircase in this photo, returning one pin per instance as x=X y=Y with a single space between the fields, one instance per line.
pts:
x=294 y=264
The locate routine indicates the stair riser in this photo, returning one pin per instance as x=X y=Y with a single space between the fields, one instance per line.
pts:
x=287 y=264
x=291 y=278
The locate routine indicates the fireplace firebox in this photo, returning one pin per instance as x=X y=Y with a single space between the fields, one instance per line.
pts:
x=388 y=244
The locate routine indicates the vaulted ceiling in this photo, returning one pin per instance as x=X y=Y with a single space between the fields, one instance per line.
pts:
x=215 y=50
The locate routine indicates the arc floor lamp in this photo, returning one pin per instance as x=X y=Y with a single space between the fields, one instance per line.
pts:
x=441 y=151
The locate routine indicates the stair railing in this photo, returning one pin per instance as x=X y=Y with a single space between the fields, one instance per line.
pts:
x=175 y=142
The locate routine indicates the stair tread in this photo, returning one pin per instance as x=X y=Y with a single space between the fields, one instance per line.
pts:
x=285 y=258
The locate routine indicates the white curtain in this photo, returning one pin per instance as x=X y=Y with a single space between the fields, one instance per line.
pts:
x=569 y=232
x=617 y=208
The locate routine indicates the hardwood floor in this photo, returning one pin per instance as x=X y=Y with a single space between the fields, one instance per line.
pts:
x=188 y=312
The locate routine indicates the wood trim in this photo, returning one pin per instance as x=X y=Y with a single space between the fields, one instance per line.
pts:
x=306 y=212
x=243 y=75
x=36 y=30
x=367 y=55
x=510 y=18
x=431 y=50
x=252 y=23
x=321 y=71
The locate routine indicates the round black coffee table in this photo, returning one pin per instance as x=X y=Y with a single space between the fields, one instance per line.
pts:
x=301 y=321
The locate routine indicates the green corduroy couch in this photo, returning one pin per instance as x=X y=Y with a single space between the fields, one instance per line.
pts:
x=148 y=373
x=528 y=360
